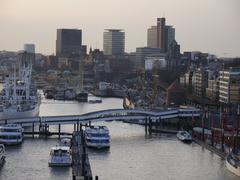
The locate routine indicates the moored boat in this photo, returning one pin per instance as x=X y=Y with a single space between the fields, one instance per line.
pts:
x=11 y=134
x=60 y=156
x=97 y=137
x=184 y=136
x=19 y=97
x=233 y=163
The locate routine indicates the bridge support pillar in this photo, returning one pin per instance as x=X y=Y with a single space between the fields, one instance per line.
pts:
x=146 y=125
x=59 y=130
x=159 y=122
x=77 y=125
x=33 y=130
x=46 y=130
x=150 y=126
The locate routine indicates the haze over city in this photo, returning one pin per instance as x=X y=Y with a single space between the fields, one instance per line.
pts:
x=120 y=89
x=208 y=25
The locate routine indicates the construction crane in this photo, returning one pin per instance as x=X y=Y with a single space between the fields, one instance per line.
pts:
x=155 y=85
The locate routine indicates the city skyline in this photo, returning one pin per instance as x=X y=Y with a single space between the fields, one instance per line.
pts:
x=215 y=31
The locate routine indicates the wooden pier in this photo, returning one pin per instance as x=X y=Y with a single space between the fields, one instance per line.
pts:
x=81 y=169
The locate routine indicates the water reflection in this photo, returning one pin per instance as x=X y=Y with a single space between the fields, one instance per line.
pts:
x=132 y=155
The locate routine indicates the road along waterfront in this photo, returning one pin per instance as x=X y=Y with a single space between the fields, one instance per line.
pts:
x=132 y=155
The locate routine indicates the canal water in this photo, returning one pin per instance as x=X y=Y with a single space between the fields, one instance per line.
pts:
x=132 y=155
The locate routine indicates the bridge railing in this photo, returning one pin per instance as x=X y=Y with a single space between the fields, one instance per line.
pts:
x=106 y=115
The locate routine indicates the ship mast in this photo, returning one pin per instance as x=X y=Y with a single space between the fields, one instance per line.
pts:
x=25 y=69
x=80 y=78
x=14 y=86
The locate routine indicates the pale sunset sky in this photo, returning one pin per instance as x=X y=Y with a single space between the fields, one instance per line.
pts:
x=206 y=25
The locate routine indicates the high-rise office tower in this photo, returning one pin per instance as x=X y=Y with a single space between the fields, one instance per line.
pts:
x=170 y=37
x=29 y=48
x=113 y=42
x=152 y=37
x=69 y=42
x=160 y=36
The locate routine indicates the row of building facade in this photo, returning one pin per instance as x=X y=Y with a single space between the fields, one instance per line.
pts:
x=217 y=84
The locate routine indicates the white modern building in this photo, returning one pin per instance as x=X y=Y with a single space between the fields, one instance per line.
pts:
x=30 y=48
x=155 y=61
x=142 y=53
x=113 y=42
x=229 y=86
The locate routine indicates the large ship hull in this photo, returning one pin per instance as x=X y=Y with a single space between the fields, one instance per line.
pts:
x=18 y=115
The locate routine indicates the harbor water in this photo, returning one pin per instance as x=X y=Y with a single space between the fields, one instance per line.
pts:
x=132 y=156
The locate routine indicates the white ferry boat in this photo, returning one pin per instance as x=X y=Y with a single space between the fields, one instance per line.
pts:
x=11 y=134
x=97 y=137
x=184 y=136
x=60 y=156
x=19 y=97
x=2 y=154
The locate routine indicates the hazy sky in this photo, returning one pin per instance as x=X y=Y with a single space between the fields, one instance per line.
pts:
x=206 y=25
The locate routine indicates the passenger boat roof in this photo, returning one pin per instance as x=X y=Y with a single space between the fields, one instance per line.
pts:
x=60 y=148
x=97 y=129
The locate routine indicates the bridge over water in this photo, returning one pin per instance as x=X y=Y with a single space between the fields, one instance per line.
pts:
x=106 y=115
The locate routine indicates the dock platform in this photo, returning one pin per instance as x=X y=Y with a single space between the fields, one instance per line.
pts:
x=81 y=169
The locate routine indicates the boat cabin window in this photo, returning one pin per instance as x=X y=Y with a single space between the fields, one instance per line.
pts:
x=99 y=141
x=9 y=130
x=97 y=135
x=10 y=137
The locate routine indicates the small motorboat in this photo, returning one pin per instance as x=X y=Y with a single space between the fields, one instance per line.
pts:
x=2 y=155
x=60 y=156
x=184 y=136
x=97 y=137
x=233 y=162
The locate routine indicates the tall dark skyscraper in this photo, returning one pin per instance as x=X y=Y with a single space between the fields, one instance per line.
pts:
x=161 y=37
x=69 y=42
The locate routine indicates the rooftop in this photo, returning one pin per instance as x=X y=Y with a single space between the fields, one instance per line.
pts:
x=114 y=30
